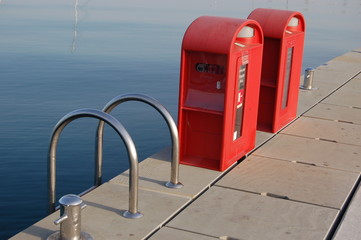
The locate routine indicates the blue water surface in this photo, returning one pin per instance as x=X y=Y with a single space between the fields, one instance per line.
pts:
x=61 y=55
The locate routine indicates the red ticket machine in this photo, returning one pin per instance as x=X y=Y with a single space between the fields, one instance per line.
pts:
x=284 y=33
x=219 y=89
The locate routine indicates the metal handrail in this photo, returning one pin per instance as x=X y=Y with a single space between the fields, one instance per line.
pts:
x=131 y=150
x=174 y=179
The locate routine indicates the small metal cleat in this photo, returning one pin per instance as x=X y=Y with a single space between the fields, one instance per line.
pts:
x=70 y=220
x=308 y=79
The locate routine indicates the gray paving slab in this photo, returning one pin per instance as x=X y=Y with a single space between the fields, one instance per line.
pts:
x=351 y=56
x=331 y=76
x=154 y=172
x=321 y=153
x=349 y=229
x=348 y=63
x=325 y=82
x=102 y=217
x=167 y=233
x=325 y=129
x=308 y=98
x=242 y=215
x=262 y=137
x=294 y=181
x=358 y=76
x=335 y=112
x=345 y=97
x=354 y=84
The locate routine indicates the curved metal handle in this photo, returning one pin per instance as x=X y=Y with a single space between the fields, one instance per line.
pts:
x=174 y=179
x=118 y=127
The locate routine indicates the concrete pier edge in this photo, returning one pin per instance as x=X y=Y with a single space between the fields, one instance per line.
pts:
x=300 y=182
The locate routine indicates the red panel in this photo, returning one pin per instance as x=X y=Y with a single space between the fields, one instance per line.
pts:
x=206 y=80
x=219 y=89
x=270 y=62
x=274 y=22
x=281 y=67
x=266 y=109
x=203 y=134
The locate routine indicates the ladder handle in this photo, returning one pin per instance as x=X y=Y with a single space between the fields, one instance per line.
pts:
x=174 y=179
x=119 y=128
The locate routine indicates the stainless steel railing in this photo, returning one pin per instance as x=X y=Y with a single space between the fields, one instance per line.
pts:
x=174 y=179
x=132 y=155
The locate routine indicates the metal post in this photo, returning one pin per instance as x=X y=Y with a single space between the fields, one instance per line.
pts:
x=132 y=154
x=308 y=79
x=70 y=219
x=174 y=179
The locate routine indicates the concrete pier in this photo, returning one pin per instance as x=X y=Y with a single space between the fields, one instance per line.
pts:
x=300 y=183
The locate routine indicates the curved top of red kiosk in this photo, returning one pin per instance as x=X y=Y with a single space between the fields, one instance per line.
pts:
x=275 y=22
x=217 y=34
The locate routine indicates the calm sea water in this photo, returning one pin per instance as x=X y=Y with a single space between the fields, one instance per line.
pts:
x=58 y=56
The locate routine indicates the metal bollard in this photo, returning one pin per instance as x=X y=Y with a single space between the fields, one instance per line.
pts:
x=308 y=79
x=70 y=220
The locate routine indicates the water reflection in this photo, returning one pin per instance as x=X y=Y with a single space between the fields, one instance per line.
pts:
x=75 y=26
x=80 y=13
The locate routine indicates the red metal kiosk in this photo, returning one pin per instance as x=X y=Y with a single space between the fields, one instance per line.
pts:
x=219 y=89
x=284 y=33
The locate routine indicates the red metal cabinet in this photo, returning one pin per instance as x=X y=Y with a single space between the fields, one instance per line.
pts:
x=219 y=89
x=284 y=33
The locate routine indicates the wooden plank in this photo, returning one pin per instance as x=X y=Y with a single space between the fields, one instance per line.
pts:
x=241 y=215
x=325 y=129
x=294 y=181
x=311 y=151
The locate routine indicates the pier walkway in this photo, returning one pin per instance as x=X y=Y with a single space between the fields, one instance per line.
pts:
x=301 y=183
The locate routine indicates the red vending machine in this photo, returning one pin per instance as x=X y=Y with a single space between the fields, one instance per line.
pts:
x=219 y=89
x=284 y=33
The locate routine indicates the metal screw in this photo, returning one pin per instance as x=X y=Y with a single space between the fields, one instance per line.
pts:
x=308 y=79
x=70 y=219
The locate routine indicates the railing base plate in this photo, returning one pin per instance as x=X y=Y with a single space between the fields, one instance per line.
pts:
x=130 y=215
x=172 y=185
x=83 y=236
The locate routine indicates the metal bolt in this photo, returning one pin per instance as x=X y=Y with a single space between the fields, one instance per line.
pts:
x=308 y=79
x=70 y=219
